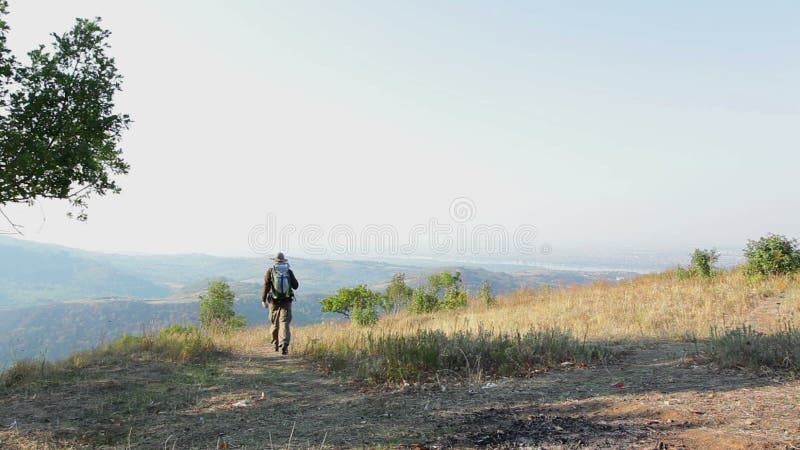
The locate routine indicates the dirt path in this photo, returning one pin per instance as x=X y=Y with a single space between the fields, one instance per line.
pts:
x=655 y=397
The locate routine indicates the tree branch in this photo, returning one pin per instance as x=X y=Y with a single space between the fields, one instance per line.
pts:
x=14 y=226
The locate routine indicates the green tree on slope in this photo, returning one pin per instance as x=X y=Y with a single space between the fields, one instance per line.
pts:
x=216 y=309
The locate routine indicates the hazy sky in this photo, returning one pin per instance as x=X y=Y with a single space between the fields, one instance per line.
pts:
x=601 y=123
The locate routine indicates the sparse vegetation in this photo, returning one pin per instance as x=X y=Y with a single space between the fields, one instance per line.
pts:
x=485 y=294
x=424 y=354
x=773 y=254
x=216 y=309
x=746 y=347
x=658 y=306
x=179 y=343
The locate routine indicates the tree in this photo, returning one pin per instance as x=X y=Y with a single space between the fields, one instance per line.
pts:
x=398 y=294
x=773 y=254
x=423 y=302
x=216 y=309
x=444 y=291
x=59 y=132
x=703 y=262
x=486 y=295
x=358 y=304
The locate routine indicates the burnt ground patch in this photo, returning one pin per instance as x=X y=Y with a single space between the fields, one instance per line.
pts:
x=501 y=428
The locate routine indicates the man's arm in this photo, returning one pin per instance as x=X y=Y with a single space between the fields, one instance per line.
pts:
x=293 y=280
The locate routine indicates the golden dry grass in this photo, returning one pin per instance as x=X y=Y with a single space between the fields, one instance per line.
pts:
x=658 y=307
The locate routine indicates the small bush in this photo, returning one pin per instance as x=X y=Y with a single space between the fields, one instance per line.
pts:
x=421 y=356
x=773 y=254
x=444 y=291
x=397 y=294
x=357 y=304
x=454 y=298
x=216 y=309
x=423 y=302
x=485 y=294
x=703 y=262
x=745 y=347
x=701 y=266
x=364 y=316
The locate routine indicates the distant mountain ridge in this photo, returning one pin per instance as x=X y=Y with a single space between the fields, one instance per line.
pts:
x=57 y=300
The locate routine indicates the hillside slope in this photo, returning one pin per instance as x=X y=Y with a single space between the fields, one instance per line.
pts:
x=660 y=390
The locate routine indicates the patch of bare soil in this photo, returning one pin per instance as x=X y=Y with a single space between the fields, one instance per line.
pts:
x=658 y=396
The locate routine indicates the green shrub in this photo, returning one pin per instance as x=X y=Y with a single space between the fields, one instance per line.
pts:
x=745 y=347
x=703 y=262
x=397 y=295
x=773 y=254
x=364 y=316
x=423 y=302
x=358 y=304
x=216 y=309
x=444 y=291
x=485 y=294
x=454 y=298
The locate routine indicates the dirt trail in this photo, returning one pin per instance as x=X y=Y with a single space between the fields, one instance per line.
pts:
x=654 y=397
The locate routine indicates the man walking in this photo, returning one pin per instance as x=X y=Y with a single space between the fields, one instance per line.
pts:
x=279 y=286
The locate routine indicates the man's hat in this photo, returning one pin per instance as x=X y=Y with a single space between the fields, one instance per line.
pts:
x=279 y=257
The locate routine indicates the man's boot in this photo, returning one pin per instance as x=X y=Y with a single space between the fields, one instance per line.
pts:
x=277 y=347
x=285 y=349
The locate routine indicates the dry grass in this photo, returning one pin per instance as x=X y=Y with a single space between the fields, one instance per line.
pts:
x=652 y=307
x=660 y=306
x=181 y=344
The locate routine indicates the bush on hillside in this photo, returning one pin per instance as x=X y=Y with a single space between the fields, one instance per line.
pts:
x=398 y=294
x=216 y=309
x=773 y=254
x=701 y=265
x=423 y=302
x=485 y=294
x=444 y=291
x=357 y=304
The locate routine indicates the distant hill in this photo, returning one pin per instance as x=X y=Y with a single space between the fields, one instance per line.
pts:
x=33 y=273
x=56 y=300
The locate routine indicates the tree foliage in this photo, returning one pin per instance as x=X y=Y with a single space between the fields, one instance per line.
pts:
x=59 y=131
x=703 y=262
x=398 y=294
x=445 y=290
x=216 y=309
x=358 y=304
x=773 y=254
x=486 y=295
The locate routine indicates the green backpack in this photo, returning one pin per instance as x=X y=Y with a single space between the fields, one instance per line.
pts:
x=281 y=282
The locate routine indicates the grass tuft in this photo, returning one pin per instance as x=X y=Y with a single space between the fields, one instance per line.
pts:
x=748 y=348
x=420 y=356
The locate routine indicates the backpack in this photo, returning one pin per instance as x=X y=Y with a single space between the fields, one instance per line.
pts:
x=281 y=282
